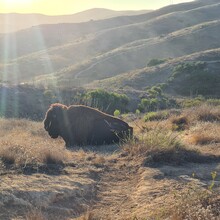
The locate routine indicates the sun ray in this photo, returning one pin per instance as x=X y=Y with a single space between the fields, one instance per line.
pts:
x=17 y=2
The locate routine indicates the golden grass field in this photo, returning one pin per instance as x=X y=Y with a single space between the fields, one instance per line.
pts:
x=169 y=171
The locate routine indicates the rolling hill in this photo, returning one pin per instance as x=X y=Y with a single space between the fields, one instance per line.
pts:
x=140 y=79
x=12 y=22
x=96 y=53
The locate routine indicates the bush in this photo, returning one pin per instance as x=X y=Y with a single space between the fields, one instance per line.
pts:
x=151 y=116
x=156 y=100
x=179 y=123
x=117 y=113
x=193 y=78
x=154 y=62
x=198 y=101
x=106 y=101
x=137 y=112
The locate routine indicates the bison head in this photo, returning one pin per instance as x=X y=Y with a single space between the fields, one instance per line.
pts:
x=54 y=119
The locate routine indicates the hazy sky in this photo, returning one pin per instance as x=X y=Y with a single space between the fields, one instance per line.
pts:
x=57 y=7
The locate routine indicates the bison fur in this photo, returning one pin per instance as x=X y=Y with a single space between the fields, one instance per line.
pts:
x=81 y=125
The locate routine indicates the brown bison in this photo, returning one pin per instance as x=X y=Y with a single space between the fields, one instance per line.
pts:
x=81 y=125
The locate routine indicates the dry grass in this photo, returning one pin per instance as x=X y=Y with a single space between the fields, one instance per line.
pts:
x=25 y=142
x=87 y=216
x=191 y=116
x=202 y=113
x=35 y=214
x=203 y=139
x=196 y=203
x=99 y=160
x=179 y=123
x=208 y=113
x=160 y=141
x=204 y=133
x=161 y=146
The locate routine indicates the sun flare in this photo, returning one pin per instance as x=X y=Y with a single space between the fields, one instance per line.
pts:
x=19 y=6
x=17 y=2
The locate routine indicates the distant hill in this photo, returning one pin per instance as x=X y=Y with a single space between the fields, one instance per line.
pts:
x=46 y=36
x=208 y=78
x=12 y=22
x=96 y=53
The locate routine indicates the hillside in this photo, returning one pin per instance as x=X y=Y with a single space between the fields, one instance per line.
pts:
x=69 y=55
x=13 y=22
x=150 y=76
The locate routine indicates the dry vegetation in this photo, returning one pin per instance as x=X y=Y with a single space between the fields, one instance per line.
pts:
x=174 y=159
x=25 y=142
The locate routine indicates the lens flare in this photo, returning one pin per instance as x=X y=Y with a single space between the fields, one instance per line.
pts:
x=17 y=2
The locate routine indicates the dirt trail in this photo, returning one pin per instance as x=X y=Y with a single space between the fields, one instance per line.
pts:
x=115 y=198
x=110 y=186
x=126 y=189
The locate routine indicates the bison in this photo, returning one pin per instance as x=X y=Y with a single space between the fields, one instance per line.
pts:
x=82 y=125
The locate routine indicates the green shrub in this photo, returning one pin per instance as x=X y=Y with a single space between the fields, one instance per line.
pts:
x=117 y=113
x=193 y=79
x=154 y=116
x=214 y=102
x=154 y=62
x=137 y=112
x=156 y=100
x=106 y=101
x=198 y=101
x=188 y=103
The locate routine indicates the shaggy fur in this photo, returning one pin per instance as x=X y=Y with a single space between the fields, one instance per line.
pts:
x=80 y=125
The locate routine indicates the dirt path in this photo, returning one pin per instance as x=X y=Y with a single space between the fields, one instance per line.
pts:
x=109 y=186
x=115 y=198
x=127 y=190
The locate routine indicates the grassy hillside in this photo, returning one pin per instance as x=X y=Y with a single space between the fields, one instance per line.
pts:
x=16 y=22
x=206 y=77
x=76 y=54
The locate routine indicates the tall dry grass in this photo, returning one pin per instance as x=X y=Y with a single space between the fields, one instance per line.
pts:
x=196 y=203
x=204 y=133
x=25 y=142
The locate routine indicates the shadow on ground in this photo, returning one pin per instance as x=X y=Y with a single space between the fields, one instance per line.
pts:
x=103 y=149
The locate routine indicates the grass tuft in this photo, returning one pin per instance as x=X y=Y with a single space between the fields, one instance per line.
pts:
x=179 y=123
x=53 y=156
x=196 y=203
x=35 y=214
x=208 y=113
x=203 y=139
x=204 y=133
x=161 y=146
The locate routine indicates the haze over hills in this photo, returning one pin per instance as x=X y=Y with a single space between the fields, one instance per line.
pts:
x=47 y=36
x=11 y=22
x=154 y=75
x=69 y=55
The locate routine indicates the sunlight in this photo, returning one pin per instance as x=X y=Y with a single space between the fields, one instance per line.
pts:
x=17 y=2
